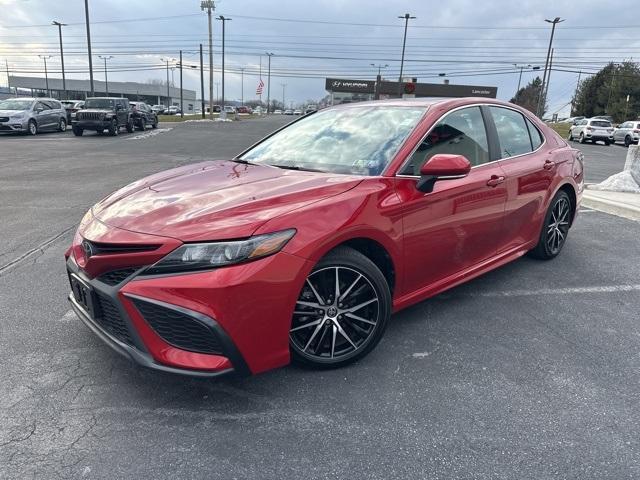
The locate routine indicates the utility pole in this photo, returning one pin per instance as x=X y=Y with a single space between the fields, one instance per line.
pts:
x=575 y=95
x=181 y=99
x=86 y=15
x=6 y=64
x=168 y=96
x=406 y=17
x=613 y=79
x=224 y=20
x=46 y=75
x=521 y=67
x=64 y=81
x=201 y=84
x=554 y=22
x=106 y=79
x=209 y=6
x=269 y=55
x=283 y=87
x=546 y=91
x=242 y=86
x=217 y=94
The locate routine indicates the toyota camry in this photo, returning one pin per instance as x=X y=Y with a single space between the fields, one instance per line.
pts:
x=301 y=247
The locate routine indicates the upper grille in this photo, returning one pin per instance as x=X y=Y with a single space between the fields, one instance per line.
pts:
x=114 y=277
x=178 y=329
x=105 y=248
x=4 y=119
x=109 y=318
x=90 y=116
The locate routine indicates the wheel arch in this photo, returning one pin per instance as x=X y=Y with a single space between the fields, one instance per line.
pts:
x=375 y=252
x=573 y=198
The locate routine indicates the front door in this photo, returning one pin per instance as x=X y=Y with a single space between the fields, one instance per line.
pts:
x=457 y=225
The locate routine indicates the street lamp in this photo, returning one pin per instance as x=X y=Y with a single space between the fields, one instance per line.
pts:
x=541 y=95
x=379 y=66
x=209 y=6
x=64 y=81
x=269 y=81
x=406 y=17
x=46 y=75
x=106 y=80
x=224 y=20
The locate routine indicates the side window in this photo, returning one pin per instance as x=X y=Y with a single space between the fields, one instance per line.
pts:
x=42 y=105
x=513 y=134
x=536 y=136
x=461 y=133
x=55 y=104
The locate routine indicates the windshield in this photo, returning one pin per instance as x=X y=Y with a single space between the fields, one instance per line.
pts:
x=354 y=140
x=98 y=103
x=15 y=104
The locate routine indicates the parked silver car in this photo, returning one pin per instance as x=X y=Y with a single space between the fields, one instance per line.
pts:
x=592 y=129
x=627 y=132
x=32 y=115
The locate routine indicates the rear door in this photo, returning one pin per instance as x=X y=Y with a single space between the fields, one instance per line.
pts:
x=529 y=168
x=457 y=225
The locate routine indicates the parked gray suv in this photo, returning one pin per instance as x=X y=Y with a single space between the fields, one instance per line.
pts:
x=32 y=115
x=103 y=113
x=627 y=132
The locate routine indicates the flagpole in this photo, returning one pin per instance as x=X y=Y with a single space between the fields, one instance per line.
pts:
x=260 y=80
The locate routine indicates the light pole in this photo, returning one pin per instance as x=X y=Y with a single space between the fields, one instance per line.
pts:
x=46 y=75
x=167 y=60
x=86 y=16
x=283 y=87
x=209 y=6
x=554 y=22
x=217 y=96
x=64 y=81
x=242 y=86
x=202 y=85
x=106 y=80
x=380 y=66
x=269 y=81
x=181 y=66
x=406 y=17
x=224 y=20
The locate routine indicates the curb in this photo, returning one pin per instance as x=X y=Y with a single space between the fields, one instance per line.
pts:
x=611 y=206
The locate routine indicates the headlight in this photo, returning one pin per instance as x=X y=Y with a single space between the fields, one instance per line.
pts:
x=18 y=116
x=205 y=256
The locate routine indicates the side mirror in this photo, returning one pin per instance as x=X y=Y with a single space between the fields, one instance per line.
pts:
x=442 y=166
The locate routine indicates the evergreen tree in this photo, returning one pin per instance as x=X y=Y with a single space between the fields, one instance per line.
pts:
x=527 y=96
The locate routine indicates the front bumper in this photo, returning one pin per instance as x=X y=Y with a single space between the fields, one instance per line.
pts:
x=13 y=126
x=247 y=308
x=91 y=124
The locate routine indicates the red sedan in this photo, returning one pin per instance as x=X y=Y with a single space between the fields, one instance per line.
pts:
x=302 y=246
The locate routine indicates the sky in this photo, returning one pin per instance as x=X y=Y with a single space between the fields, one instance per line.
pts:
x=471 y=42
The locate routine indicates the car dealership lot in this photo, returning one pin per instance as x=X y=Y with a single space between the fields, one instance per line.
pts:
x=530 y=371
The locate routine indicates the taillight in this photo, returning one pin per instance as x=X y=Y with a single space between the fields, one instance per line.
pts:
x=610 y=130
x=589 y=128
x=636 y=131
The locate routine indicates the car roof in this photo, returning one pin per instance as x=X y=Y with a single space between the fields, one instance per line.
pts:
x=446 y=102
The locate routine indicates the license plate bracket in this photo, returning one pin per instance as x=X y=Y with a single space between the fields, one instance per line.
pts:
x=83 y=294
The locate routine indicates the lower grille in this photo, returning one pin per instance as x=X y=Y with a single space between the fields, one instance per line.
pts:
x=114 y=277
x=110 y=320
x=4 y=119
x=178 y=329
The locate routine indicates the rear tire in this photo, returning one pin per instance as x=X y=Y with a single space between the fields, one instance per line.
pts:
x=627 y=141
x=332 y=327
x=129 y=126
x=555 y=227
x=143 y=125
x=581 y=138
x=77 y=131
x=607 y=143
x=570 y=138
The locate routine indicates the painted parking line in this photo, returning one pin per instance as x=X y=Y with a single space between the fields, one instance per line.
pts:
x=548 y=291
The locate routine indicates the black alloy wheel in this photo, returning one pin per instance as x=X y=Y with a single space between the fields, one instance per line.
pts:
x=555 y=228
x=342 y=311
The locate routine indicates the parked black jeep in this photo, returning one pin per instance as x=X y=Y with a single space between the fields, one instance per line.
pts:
x=143 y=116
x=103 y=113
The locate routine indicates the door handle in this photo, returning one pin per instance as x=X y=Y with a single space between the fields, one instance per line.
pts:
x=495 y=180
x=548 y=165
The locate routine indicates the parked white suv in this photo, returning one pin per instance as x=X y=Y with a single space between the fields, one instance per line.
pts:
x=628 y=132
x=592 y=129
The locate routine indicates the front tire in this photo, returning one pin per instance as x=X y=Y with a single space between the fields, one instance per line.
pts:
x=62 y=126
x=114 y=129
x=77 y=131
x=627 y=141
x=341 y=312
x=555 y=227
x=32 y=127
x=129 y=126
x=143 y=125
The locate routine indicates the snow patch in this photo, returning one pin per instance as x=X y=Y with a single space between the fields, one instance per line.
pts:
x=620 y=182
x=150 y=133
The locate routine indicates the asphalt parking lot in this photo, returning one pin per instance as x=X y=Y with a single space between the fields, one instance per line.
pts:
x=530 y=372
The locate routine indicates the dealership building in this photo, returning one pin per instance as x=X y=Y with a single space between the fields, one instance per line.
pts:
x=348 y=90
x=80 y=89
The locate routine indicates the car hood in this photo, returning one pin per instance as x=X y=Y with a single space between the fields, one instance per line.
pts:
x=215 y=200
x=8 y=113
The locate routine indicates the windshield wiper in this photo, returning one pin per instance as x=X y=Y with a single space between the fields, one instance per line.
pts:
x=294 y=167
x=243 y=162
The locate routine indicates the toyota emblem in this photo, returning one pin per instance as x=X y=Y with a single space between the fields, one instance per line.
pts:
x=87 y=248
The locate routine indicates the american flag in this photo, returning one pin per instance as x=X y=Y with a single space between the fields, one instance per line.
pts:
x=260 y=87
